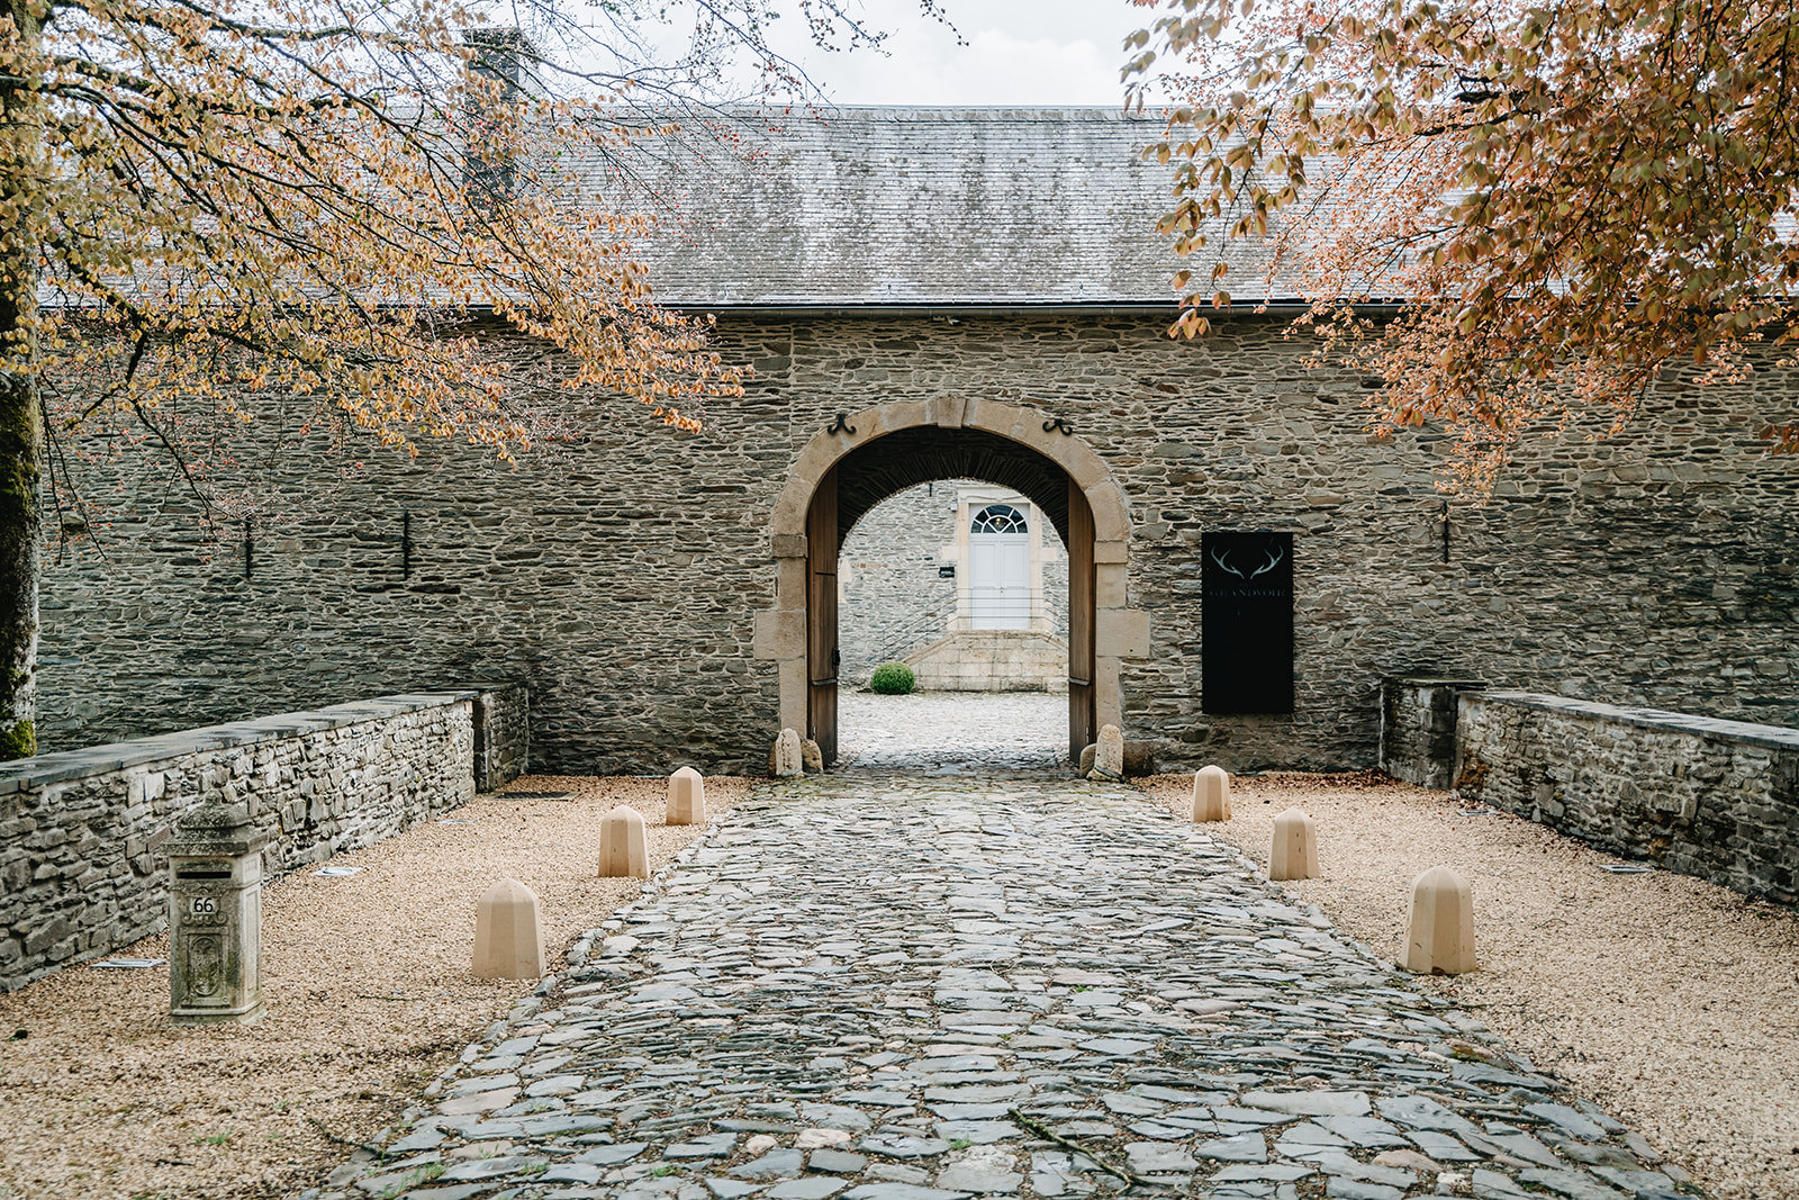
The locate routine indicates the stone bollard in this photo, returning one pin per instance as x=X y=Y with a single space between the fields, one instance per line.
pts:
x=215 y=916
x=1211 y=794
x=1439 y=937
x=1108 y=758
x=812 y=756
x=686 y=798
x=508 y=933
x=784 y=761
x=1294 y=854
x=622 y=850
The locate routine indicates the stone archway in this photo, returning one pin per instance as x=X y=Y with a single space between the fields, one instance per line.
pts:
x=889 y=446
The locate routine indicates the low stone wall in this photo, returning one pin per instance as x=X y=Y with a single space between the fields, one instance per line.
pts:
x=1712 y=798
x=993 y=660
x=1417 y=729
x=502 y=734
x=82 y=870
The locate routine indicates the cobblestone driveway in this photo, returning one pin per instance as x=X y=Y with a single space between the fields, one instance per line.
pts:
x=886 y=987
x=953 y=733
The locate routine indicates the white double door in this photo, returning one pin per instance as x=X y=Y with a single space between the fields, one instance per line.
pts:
x=999 y=580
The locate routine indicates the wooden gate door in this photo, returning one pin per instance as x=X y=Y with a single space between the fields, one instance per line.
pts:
x=1081 y=729
x=821 y=618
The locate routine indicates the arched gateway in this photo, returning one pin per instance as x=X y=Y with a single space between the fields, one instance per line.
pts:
x=844 y=471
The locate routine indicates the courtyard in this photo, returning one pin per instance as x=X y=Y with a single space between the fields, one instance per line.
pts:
x=899 y=600
x=947 y=970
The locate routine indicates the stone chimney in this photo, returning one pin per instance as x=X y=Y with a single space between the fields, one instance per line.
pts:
x=502 y=53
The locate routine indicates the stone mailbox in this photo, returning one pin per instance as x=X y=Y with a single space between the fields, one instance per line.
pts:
x=215 y=916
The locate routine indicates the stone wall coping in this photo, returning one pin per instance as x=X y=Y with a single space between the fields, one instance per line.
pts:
x=1773 y=737
x=1435 y=681
x=26 y=773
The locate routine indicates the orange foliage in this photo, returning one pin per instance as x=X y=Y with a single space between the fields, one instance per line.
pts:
x=1571 y=196
x=318 y=199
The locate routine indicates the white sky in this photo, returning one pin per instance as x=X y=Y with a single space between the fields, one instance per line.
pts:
x=1041 y=52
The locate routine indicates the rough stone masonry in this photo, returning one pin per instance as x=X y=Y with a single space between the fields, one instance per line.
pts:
x=83 y=833
x=619 y=573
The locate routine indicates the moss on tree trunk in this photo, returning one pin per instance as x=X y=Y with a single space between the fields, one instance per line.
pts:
x=21 y=423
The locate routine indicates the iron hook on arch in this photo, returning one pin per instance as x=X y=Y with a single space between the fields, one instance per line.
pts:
x=842 y=425
x=1059 y=423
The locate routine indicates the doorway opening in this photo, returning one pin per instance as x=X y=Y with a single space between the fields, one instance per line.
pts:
x=857 y=460
x=964 y=585
x=863 y=478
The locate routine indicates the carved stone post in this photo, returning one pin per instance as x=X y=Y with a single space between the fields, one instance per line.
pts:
x=215 y=916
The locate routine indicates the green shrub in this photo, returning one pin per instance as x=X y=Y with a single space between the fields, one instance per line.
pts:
x=892 y=679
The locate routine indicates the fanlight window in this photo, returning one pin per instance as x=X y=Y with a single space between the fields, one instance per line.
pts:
x=999 y=518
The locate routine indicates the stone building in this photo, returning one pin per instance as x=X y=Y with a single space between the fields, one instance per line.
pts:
x=929 y=296
x=964 y=582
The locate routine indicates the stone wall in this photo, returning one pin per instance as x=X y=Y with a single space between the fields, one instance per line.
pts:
x=1712 y=798
x=892 y=600
x=993 y=660
x=619 y=572
x=81 y=832
x=502 y=734
x=1417 y=729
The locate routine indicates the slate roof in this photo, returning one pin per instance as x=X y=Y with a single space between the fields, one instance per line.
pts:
x=878 y=206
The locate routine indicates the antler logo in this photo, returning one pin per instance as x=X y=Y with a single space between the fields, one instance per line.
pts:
x=1273 y=556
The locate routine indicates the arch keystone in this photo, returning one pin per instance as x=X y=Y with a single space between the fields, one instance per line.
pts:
x=948 y=411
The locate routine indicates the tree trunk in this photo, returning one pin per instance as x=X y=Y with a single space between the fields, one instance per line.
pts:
x=21 y=425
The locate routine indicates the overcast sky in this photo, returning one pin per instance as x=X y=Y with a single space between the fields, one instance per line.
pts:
x=1017 y=52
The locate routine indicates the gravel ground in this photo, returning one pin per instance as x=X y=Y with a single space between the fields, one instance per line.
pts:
x=1672 y=1002
x=368 y=991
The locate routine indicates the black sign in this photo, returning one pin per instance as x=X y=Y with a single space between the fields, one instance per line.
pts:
x=1247 y=580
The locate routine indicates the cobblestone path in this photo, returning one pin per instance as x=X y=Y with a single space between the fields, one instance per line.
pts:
x=886 y=987
x=953 y=733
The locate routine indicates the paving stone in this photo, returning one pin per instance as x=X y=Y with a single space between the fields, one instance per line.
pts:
x=1154 y=1158
x=610 y=1155
x=893 y=1146
x=1576 y=1185
x=1343 y=1188
x=979 y=1133
x=1310 y=1104
x=840 y=1162
x=899 y=1191
x=972 y=1177
x=1244 y=1147
x=813 y=1187
x=854 y=980
x=776 y=1164
x=1570 y=1120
